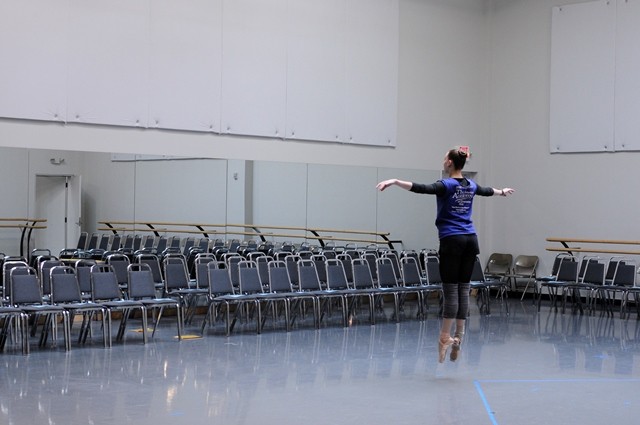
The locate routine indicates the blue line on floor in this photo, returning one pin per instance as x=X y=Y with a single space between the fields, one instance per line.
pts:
x=543 y=381
x=485 y=402
x=520 y=381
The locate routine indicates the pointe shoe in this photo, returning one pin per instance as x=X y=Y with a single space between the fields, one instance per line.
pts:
x=443 y=346
x=455 y=348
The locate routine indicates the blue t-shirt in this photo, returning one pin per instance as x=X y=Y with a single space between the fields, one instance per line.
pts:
x=455 y=208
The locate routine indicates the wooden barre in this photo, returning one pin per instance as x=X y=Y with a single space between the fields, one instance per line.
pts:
x=160 y=223
x=32 y=220
x=257 y=226
x=161 y=230
x=594 y=250
x=21 y=226
x=278 y=235
x=602 y=241
x=205 y=229
x=311 y=229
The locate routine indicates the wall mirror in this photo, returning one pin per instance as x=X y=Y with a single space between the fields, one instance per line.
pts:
x=93 y=187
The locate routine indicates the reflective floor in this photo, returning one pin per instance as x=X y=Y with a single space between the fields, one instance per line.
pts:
x=521 y=368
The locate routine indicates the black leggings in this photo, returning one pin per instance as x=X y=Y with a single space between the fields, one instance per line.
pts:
x=457 y=257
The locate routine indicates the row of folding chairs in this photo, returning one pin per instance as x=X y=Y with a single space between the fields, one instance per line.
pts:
x=66 y=298
x=297 y=284
x=597 y=281
x=25 y=306
x=99 y=245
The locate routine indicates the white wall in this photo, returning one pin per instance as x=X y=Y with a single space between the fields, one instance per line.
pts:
x=561 y=195
x=442 y=93
x=442 y=102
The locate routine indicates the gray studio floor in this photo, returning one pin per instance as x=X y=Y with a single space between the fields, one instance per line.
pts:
x=521 y=368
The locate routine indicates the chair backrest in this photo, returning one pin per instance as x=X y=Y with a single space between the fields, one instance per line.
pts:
x=154 y=265
x=137 y=242
x=37 y=255
x=477 y=275
x=594 y=272
x=395 y=262
x=188 y=244
x=175 y=273
x=625 y=273
x=386 y=274
x=7 y=266
x=263 y=267
x=499 y=264
x=432 y=271
x=194 y=251
x=233 y=245
x=219 y=280
x=279 y=280
x=203 y=244
x=104 y=283
x=24 y=286
x=352 y=252
x=175 y=242
x=427 y=255
x=371 y=258
x=336 y=276
x=410 y=271
x=611 y=266
x=64 y=285
x=162 y=245
x=253 y=255
x=308 y=276
x=115 y=242
x=83 y=272
x=104 y=242
x=128 y=242
x=141 y=284
x=93 y=241
x=319 y=260
x=329 y=254
x=249 y=277
x=347 y=265
x=584 y=263
x=525 y=265
x=82 y=240
x=232 y=260
x=305 y=255
x=280 y=255
x=200 y=265
x=362 y=278
x=568 y=270
x=413 y=254
x=149 y=242
x=119 y=262
x=45 y=269
x=291 y=261
x=555 y=268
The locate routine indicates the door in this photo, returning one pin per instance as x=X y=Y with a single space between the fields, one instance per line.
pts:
x=58 y=200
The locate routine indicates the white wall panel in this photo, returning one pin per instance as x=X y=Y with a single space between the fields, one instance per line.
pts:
x=161 y=195
x=627 y=90
x=316 y=70
x=254 y=67
x=582 y=77
x=280 y=195
x=397 y=207
x=185 y=64
x=109 y=62
x=306 y=70
x=372 y=71
x=33 y=52
x=340 y=197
